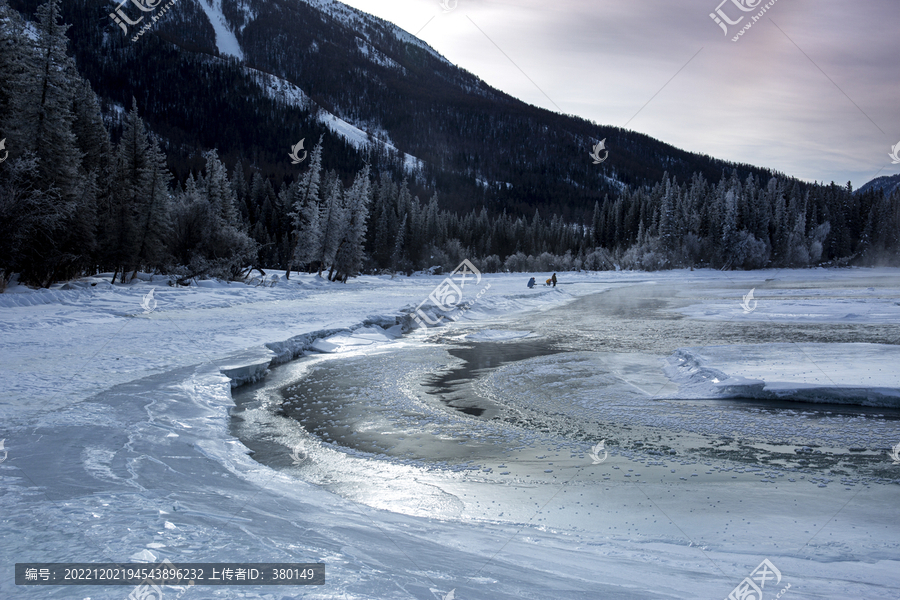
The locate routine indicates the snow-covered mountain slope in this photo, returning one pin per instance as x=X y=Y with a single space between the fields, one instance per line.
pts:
x=226 y=41
x=288 y=93
x=357 y=20
x=361 y=140
x=285 y=91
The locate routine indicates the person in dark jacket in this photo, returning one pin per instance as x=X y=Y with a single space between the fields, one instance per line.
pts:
x=553 y=279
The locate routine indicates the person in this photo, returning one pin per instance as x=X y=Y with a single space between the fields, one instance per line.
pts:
x=531 y=283
x=553 y=279
x=548 y=282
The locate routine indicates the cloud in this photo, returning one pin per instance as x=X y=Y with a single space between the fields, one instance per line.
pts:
x=809 y=89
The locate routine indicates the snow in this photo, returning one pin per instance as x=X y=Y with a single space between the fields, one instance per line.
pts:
x=823 y=372
x=281 y=90
x=879 y=305
x=116 y=422
x=366 y=336
x=226 y=41
x=377 y=56
x=360 y=139
x=360 y=21
x=290 y=94
x=207 y=322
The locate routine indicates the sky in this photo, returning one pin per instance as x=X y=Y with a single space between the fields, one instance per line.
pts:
x=811 y=89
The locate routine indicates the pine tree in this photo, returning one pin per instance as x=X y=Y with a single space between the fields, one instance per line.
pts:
x=29 y=218
x=219 y=193
x=154 y=226
x=730 y=229
x=384 y=222
x=191 y=227
x=226 y=248
x=349 y=257
x=242 y=194
x=17 y=76
x=397 y=257
x=36 y=118
x=304 y=214
x=49 y=115
x=667 y=219
x=120 y=242
x=307 y=231
x=597 y=233
x=332 y=220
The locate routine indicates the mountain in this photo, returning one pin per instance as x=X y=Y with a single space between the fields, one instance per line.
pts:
x=887 y=184
x=253 y=77
x=216 y=184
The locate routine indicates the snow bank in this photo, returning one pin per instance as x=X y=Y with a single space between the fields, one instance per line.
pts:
x=798 y=372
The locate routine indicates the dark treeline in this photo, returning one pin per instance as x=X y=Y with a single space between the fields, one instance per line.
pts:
x=72 y=203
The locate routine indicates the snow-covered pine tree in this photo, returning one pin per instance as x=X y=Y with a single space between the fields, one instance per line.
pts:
x=331 y=220
x=227 y=248
x=729 y=229
x=29 y=218
x=307 y=232
x=597 y=231
x=218 y=191
x=667 y=219
x=261 y=202
x=191 y=225
x=780 y=225
x=304 y=215
x=17 y=75
x=78 y=239
x=36 y=118
x=242 y=193
x=415 y=235
x=349 y=257
x=432 y=223
x=798 y=252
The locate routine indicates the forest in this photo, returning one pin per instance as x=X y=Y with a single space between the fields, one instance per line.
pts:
x=74 y=201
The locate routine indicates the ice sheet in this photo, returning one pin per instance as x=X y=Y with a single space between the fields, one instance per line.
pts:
x=863 y=374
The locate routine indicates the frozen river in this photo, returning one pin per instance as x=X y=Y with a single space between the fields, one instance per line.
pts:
x=497 y=423
x=623 y=436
